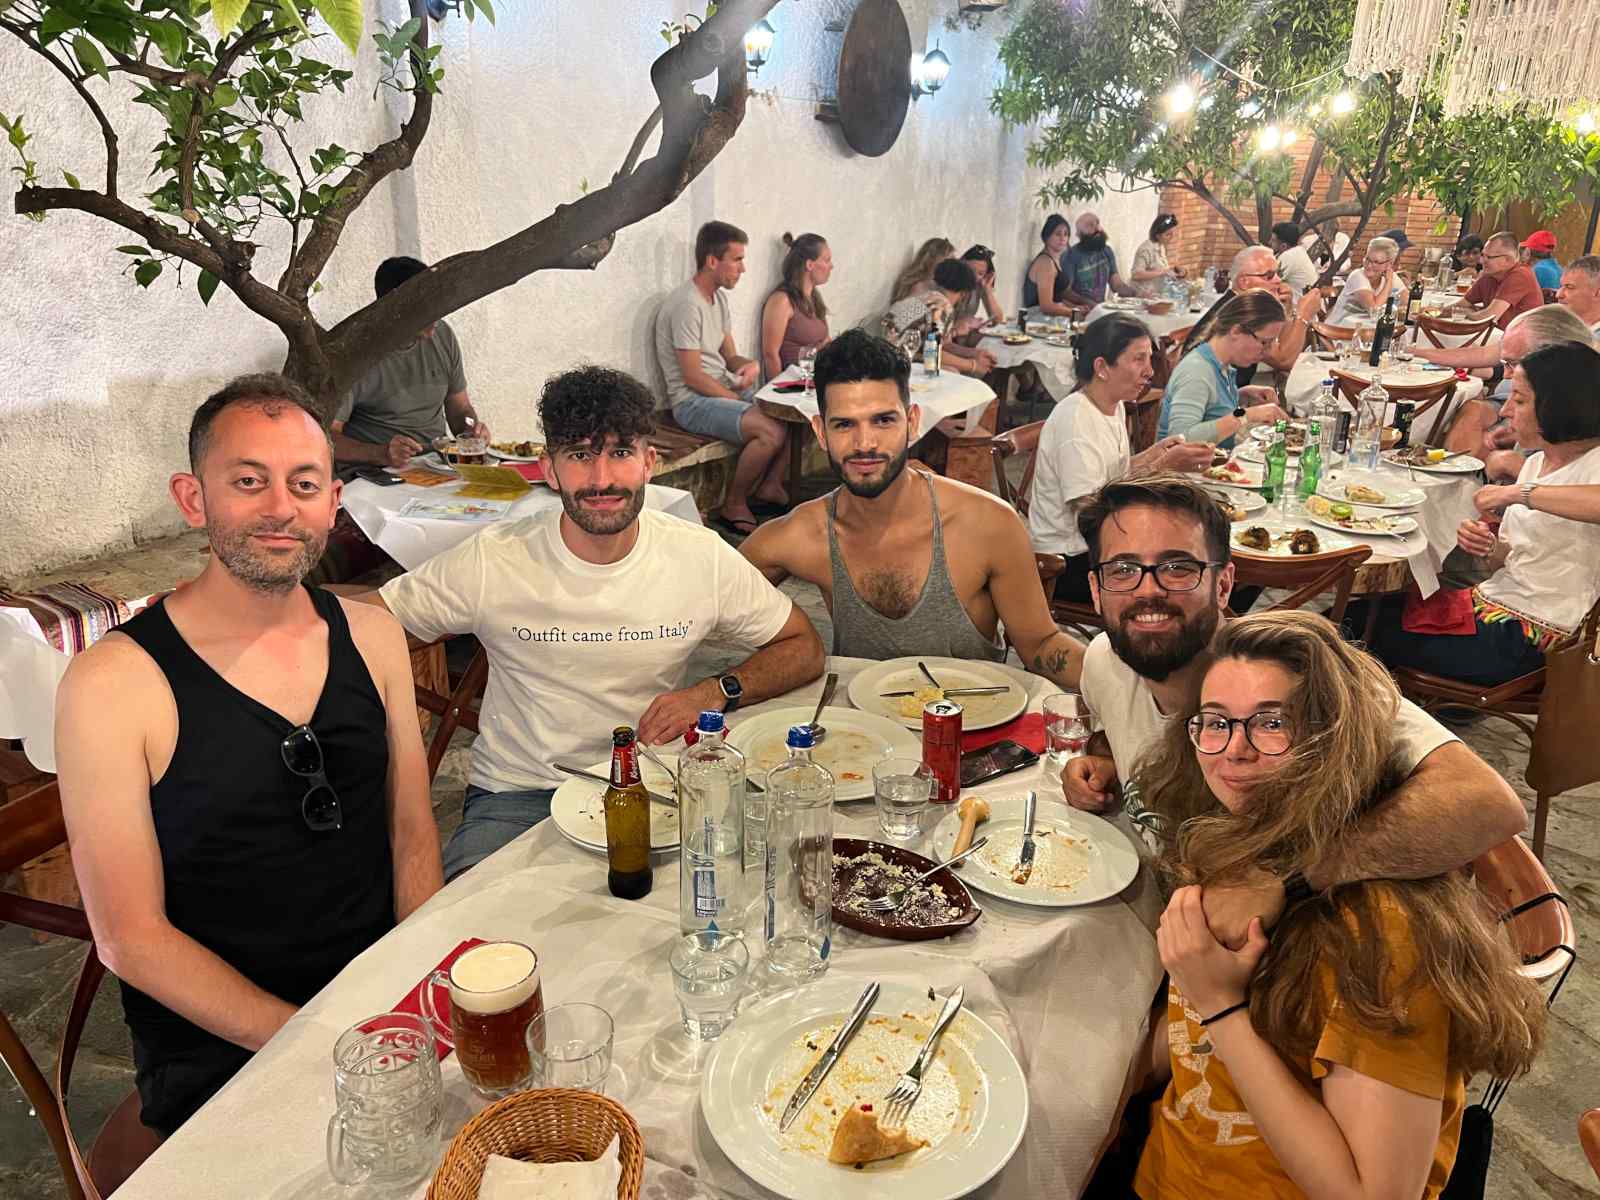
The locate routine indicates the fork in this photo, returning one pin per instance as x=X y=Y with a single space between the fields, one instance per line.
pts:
x=891 y=899
x=904 y=1094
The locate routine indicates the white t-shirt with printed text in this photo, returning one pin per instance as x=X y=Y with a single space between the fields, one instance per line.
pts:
x=577 y=648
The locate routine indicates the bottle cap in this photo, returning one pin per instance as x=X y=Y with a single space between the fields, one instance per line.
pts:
x=622 y=735
x=800 y=737
x=1328 y=382
x=711 y=721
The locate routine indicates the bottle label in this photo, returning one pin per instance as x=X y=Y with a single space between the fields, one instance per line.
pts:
x=703 y=869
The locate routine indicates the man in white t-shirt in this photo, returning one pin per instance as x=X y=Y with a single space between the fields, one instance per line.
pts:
x=589 y=615
x=1167 y=537
x=1294 y=262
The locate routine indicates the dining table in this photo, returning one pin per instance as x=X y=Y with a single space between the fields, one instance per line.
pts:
x=1312 y=367
x=1180 y=316
x=1068 y=989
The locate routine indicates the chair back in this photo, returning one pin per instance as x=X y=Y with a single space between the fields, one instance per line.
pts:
x=1526 y=899
x=1329 y=337
x=1144 y=420
x=1309 y=575
x=454 y=711
x=1470 y=333
x=1024 y=441
x=1550 y=296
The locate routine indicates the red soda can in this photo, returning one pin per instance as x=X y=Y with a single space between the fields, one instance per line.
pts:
x=941 y=748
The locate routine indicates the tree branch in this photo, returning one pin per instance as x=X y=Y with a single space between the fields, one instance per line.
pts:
x=639 y=140
x=106 y=131
x=1198 y=187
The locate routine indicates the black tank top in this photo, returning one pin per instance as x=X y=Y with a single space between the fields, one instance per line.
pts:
x=285 y=906
x=1030 y=290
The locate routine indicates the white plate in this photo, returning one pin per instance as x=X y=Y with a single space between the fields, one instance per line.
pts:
x=979 y=712
x=1254 y=453
x=755 y=1065
x=1399 y=524
x=1464 y=464
x=1396 y=493
x=1249 y=502
x=1327 y=541
x=580 y=815
x=1103 y=851
x=856 y=742
x=512 y=458
x=1254 y=473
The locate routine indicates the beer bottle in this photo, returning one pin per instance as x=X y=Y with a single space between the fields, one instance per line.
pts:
x=627 y=807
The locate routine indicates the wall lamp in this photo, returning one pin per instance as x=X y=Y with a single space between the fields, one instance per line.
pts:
x=929 y=72
x=758 y=45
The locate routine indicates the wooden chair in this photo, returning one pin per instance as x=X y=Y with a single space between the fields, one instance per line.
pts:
x=1330 y=337
x=1514 y=701
x=454 y=711
x=1144 y=420
x=1472 y=333
x=1589 y=1137
x=29 y=827
x=1550 y=296
x=1310 y=576
x=1425 y=396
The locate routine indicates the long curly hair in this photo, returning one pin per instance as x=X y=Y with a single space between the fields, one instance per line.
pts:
x=929 y=255
x=1343 y=762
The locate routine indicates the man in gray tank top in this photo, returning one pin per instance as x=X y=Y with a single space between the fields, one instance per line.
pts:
x=908 y=563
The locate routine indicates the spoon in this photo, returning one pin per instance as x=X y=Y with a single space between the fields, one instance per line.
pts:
x=818 y=732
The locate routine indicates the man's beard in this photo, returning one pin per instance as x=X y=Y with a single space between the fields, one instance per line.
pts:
x=602 y=524
x=256 y=568
x=870 y=489
x=1092 y=241
x=1155 y=657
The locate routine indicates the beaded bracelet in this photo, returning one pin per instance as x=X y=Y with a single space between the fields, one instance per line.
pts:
x=1245 y=1003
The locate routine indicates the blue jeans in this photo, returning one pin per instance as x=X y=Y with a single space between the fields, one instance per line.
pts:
x=488 y=821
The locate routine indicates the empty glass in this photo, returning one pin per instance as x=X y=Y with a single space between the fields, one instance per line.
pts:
x=807 y=362
x=569 y=1046
x=1067 y=726
x=901 y=788
x=708 y=973
x=388 y=1102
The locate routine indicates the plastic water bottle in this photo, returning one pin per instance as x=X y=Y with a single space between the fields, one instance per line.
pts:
x=1371 y=405
x=930 y=350
x=711 y=862
x=798 y=899
x=1325 y=410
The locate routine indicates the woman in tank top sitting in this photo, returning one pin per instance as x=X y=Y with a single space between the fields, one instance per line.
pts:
x=795 y=318
x=1045 y=288
x=1084 y=444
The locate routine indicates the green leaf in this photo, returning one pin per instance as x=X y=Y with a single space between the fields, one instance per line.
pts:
x=225 y=14
x=89 y=57
x=56 y=22
x=207 y=286
x=488 y=10
x=169 y=38
x=16 y=137
x=145 y=274
x=344 y=18
x=72 y=180
x=139 y=250
x=292 y=10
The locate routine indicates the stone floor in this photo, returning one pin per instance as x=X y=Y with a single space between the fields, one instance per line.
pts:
x=1536 y=1150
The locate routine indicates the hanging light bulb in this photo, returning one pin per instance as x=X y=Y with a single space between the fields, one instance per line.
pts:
x=1342 y=105
x=1180 y=99
x=1290 y=137
x=1269 y=138
x=758 y=45
x=1585 y=124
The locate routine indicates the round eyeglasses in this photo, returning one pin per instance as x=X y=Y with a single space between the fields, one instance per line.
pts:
x=1174 y=575
x=1267 y=732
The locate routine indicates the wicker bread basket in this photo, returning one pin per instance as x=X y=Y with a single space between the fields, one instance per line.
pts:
x=545 y=1126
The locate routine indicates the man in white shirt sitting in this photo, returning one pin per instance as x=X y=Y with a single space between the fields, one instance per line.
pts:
x=1295 y=267
x=1161 y=578
x=589 y=614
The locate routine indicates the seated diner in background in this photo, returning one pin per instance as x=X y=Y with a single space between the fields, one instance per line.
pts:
x=1368 y=290
x=1325 y=252
x=1090 y=265
x=795 y=317
x=918 y=274
x=907 y=562
x=965 y=327
x=1151 y=270
x=589 y=614
x=1255 y=268
x=1204 y=400
x=410 y=396
x=1046 y=287
x=1506 y=289
x=1331 y=1060
x=241 y=769
x=1295 y=267
x=907 y=322
x=1540 y=573
x=710 y=387
x=1541 y=248
x=1084 y=443
x=1580 y=289
x=1468 y=254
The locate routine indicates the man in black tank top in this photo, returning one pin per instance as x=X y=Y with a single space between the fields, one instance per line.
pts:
x=241 y=772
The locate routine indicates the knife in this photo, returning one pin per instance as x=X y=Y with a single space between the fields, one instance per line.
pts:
x=669 y=801
x=818 y=1073
x=1025 y=859
x=971 y=691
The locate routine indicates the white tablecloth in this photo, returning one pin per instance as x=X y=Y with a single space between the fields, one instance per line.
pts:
x=412 y=541
x=1305 y=381
x=1160 y=325
x=944 y=395
x=1069 y=990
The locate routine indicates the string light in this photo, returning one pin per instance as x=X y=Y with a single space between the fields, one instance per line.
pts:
x=1180 y=99
x=1342 y=105
x=1269 y=138
x=1290 y=137
x=1585 y=124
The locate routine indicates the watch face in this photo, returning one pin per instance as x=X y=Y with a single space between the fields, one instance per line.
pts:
x=731 y=687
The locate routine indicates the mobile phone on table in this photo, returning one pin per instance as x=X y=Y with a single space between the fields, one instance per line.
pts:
x=378 y=476
x=999 y=759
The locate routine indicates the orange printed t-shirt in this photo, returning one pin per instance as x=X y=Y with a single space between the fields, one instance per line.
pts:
x=1518 y=287
x=1203 y=1144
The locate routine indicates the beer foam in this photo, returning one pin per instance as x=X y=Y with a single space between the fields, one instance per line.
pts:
x=494 y=977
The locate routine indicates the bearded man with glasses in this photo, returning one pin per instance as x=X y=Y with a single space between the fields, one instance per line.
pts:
x=1161 y=578
x=241 y=769
x=1256 y=269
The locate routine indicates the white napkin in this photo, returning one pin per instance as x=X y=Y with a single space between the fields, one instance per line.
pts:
x=510 y=1179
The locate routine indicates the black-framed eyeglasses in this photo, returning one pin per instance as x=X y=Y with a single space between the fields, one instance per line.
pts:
x=1267 y=732
x=1174 y=575
x=302 y=754
x=1269 y=273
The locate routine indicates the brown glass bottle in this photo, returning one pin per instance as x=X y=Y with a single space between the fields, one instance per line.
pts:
x=627 y=807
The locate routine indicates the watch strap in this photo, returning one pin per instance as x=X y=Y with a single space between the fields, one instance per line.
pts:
x=1526 y=491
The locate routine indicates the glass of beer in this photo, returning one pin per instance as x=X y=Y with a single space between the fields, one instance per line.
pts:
x=494 y=996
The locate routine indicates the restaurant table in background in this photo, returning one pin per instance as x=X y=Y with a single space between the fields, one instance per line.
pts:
x=1069 y=990
x=412 y=541
x=1159 y=324
x=944 y=395
x=1305 y=381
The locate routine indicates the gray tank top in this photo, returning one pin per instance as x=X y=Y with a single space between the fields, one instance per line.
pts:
x=937 y=625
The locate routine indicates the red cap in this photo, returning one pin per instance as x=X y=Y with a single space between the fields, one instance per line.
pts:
x=1540 y=239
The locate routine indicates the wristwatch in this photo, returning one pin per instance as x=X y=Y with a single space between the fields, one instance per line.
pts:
x=1239 y=415
x=732 y=692
x=1526 y=491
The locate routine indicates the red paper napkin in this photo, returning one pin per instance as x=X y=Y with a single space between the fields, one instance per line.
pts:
x=533 y=472
x=412 y=1001
x=1027 y=730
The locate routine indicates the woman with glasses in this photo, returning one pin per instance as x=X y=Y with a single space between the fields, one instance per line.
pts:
x=1330 y=1059
x=1368 y=290
x=1151 y=269
x=1203 y=400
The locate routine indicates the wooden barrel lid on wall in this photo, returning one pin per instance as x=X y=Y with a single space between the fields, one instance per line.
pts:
x=875 y=76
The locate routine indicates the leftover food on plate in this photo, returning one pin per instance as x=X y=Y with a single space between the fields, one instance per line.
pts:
x=1060 y=858
x=1017 y=339
x=911 y=706
x=1228 y=472
x=1258 y=537
x=848 y=754
x=870 y=875
x=860 y=1137
x=1303 y=541
x=1346 y=517
x=1416 y=456
x=1362 y=494
x=518 y=449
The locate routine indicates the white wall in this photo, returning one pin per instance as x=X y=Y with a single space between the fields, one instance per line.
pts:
x=102 y=377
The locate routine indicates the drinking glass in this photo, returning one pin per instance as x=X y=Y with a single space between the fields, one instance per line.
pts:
x=902 y=788
x=807 y=362
x=1067 y=726
x=494 y=992
x=708 y=973
x=388 y=1102
x=570 y=1047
